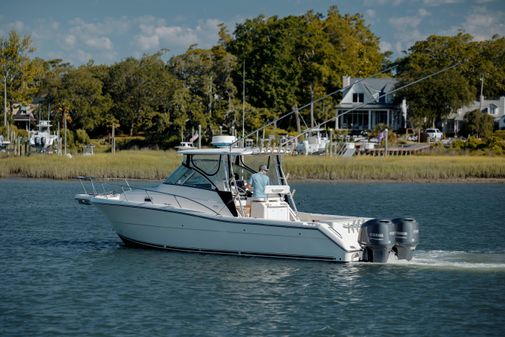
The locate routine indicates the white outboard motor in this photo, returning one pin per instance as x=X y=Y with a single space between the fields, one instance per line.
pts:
x=406 y=237
x=377 y=237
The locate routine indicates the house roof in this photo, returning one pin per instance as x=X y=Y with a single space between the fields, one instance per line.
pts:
x=376 y=84
x=376 y=90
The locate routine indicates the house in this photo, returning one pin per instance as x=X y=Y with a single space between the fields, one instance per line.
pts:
x=370 y=104
x=495 y=108
x=23 y=115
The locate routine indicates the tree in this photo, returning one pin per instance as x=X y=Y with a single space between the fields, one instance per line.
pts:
x=478 y=124
x=289 y=60
x=207 y=93
x=81 y=99
x=488 y=65
x=433 y=99
x=18 y=71
x=140 y=91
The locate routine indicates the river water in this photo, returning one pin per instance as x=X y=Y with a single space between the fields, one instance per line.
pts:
x=65 y=273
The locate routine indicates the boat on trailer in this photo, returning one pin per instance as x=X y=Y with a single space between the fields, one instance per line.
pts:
x=204 y=206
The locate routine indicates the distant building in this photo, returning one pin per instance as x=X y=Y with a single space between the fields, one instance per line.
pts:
x=23 y=115
x=372 y=103
x=495 y=108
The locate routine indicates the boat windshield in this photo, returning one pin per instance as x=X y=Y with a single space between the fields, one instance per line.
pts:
x=201 y=171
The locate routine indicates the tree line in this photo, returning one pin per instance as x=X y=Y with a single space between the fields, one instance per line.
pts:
x=266 y=67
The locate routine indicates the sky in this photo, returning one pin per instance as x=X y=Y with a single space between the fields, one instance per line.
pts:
x=109 y=31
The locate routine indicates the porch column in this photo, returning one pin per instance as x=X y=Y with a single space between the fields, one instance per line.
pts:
x=388 y=116
x=369 y=119
x=337 y=124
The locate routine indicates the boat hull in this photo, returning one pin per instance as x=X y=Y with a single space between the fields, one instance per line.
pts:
x=185 y=230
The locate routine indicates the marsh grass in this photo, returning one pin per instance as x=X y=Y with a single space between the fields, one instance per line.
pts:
x=147 y=164
x=410 y=168
x=124 y=164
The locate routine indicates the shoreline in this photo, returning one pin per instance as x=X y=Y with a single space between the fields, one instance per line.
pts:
x=310 y=180
x=156 y=165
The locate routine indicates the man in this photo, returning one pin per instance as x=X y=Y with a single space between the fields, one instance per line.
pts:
x=258 y=181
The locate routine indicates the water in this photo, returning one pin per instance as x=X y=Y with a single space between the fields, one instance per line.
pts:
x=64 y=272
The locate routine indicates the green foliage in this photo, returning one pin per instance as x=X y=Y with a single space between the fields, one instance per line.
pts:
x=287 y=62
x=81 y=137
x=458 y=144
x=474 y=143
x=81 y=100
x=140 y=90
x=478 y=124
x=495 y=145
x=432 y=100
x=205 y=93
x=288 y=58
x=499 y=134
x=19 y=71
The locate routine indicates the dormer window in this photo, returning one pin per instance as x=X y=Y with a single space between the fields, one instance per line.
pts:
x=358 y=98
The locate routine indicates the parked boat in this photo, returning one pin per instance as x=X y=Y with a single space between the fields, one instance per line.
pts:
x=42 y=139
x=203 y=206
x=184 y=146
x=315 y=143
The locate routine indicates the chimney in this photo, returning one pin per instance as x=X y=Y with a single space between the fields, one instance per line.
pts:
x=346 y=81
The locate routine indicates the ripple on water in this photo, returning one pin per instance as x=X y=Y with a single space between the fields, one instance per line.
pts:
x=64 y=272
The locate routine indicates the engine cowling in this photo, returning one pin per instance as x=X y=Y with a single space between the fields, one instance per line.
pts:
x=377 y=238
x=406 y=237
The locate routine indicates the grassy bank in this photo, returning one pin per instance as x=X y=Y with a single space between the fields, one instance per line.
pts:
x=411 y=168
x=124 y=164
x=157 y=164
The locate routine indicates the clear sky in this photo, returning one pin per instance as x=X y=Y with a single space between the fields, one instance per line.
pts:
x=108 y=31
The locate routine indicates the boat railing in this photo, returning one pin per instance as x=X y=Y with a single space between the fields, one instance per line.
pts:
x=94 y=183
x=98 y=187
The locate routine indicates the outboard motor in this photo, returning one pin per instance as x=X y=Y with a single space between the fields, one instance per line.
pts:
x=406 y=237
x=377 y=237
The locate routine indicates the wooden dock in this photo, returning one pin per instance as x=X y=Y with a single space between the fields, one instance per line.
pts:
x=405 y=150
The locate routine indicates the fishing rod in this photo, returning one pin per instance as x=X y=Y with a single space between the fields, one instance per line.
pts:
x=307 y=105
x=318 y=126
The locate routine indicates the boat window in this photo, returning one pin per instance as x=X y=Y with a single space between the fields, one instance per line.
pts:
x=186 y=176
x=208 y=165
x=241 y=171
x=201 y=171
x=253 y=163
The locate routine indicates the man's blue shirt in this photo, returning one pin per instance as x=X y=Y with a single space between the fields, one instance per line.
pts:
x=258 y=182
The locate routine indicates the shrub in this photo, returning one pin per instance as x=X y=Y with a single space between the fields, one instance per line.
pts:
x=499 y=134
x=474 y=143
x=458 y=144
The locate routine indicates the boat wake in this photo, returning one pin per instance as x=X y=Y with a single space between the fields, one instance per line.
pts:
x=486 y=261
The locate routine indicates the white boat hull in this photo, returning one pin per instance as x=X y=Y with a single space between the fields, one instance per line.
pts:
x=185 y=230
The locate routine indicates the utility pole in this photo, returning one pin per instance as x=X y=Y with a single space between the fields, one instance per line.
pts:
x=312 y=106
x=481 y=100
x=65 y=130
x=243 y=101
x=5 y=99
x=113 y=138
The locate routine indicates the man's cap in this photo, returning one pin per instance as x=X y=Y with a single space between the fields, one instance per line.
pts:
x=263 y=167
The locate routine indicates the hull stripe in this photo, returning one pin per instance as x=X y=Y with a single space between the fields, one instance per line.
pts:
x=141 y=244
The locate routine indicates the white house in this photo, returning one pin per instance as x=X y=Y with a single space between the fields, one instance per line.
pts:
x=495 y=108
x=366 y=103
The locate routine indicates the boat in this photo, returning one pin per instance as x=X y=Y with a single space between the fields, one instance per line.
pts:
x=204 y=206
x=316 y=142
x=3 y=143
x=42 y=139
x=184 y=145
